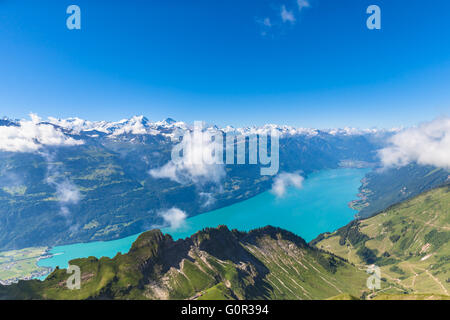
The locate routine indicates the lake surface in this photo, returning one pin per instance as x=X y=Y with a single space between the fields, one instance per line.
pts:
x=320 y=205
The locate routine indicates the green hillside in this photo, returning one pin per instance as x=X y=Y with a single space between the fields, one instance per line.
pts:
x=267 y=263
x=382 y=296
x=410 y=242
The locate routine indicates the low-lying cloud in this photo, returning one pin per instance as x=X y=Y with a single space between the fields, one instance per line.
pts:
x=427 y=144
x=174 y=217
x=67 y=193
x=207 y=199
x=197 y=164
x=32 y=135
x=285 y=180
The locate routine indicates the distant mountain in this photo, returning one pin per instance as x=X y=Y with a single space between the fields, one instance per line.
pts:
x=140 y=125
x=410 y=242
x=7 y=122
x=72 y=180
x=267 y=263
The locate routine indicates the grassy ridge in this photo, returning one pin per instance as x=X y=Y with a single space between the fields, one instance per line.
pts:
x=410 y=242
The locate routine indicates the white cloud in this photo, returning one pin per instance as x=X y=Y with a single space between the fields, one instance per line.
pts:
x=199 y=163
x=286 y=15
x=10 y=179
x=276 y=23
x=267 y=22
x=168 y=171
x=427 y=144
x=30 y=136
x=285 y=180
x=174 y=217
x=67 y=192
x=65 y=212
x=302 y=4
x=265 y=25
x=207 y=199
x=136 y=125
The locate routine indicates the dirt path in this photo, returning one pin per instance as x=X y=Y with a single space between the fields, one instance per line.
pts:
x=437 y=281
x=432 y=224
x=413 y=284
x=349 y=252
x=425 y=224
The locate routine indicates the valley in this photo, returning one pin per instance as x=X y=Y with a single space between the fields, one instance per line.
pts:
x=91 y=204
x=22 y=265
x=320 y=205
x=408 y=241
x=107 y=171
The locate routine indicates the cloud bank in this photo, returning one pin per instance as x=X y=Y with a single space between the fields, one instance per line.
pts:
x=174 y=217
x=31 y=135
x=285 y=180
x=427 y=144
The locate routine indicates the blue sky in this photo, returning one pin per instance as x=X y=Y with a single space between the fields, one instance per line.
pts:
x=216 y=61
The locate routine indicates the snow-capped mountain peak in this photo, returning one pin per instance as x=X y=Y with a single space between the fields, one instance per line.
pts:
x=140 y=125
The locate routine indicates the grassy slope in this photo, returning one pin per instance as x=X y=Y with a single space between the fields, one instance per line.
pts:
x=382 y=296
x=409 y=241
x=267 y=263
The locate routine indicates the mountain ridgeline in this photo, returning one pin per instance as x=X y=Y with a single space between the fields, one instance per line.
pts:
x=267 y=263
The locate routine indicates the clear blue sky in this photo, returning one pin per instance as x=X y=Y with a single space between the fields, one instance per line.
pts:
x=209 y=60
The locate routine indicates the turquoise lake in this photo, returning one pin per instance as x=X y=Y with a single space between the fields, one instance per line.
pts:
x=320 y=205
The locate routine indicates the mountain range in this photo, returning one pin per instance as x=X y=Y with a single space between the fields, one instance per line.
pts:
x=68 y=181
x=65 y=181
x=141 y=125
